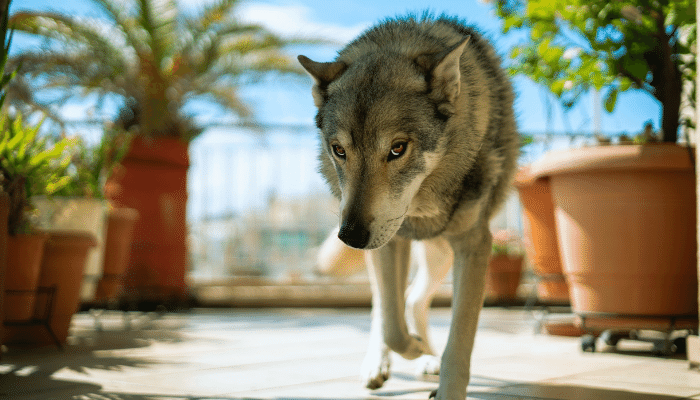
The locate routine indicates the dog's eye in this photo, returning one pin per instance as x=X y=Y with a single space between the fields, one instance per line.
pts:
x=338 y=150
x=397 y=150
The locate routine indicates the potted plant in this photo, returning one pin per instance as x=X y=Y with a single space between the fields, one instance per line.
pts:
x=28 y=165
x=167 y=58
x=94 y=167
x=80 y=204
x=4 y=197
x=505 y=267
x=31 y=165
x=625 y=215
x=541 y=244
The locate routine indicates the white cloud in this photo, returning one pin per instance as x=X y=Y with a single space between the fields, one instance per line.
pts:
x=296 y=21
x=289 y=20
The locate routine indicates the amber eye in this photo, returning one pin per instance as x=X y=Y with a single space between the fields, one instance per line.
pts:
x=338 y=150
x=397 y=150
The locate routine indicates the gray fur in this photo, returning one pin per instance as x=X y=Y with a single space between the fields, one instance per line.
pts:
x=438 y=85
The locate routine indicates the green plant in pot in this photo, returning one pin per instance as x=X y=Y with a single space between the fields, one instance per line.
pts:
x=29 y=165
x=505 y=266
x=80 y=204
x=625 y=215
x=164 y=58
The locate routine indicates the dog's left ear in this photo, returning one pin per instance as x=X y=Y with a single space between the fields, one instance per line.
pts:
x=444 y=75
x=323 y=73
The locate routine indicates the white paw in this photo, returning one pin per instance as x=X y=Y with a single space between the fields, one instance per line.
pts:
x=375 y=369
x=428 y=364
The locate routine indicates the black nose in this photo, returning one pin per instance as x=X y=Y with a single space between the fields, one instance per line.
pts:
x=354 y=234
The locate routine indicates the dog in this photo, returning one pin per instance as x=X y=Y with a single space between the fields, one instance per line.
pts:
x=418 y=141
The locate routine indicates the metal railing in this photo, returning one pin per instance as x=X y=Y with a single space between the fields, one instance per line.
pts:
x=257 y=206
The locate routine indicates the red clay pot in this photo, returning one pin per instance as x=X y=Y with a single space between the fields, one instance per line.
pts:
x=120 y=227
x=63 y=266
x=540 y=233
x=503 y=277
x=24 y=256
x=626 y=223
x=154 y=182
x=4 y=213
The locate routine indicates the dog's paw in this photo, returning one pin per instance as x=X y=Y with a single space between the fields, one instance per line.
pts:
x=428 y=364
x=375 y=369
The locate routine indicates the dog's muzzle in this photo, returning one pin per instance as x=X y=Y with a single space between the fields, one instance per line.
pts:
x=354 y=234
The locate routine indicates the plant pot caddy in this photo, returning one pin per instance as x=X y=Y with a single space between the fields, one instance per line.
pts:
x=626 y=230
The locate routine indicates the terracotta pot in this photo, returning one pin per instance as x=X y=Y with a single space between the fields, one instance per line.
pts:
x=153 y=180
x=4 y=213
x=65 y=255
x=120 y=226
x=78 y=214
x=626 y=223
x=503 y=277
x=24 y=256
x=540 y=236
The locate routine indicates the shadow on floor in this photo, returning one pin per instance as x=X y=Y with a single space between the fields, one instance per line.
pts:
x=527 y=392
x=27 y=373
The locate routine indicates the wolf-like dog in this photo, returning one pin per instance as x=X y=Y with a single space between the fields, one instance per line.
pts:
x=418 y=141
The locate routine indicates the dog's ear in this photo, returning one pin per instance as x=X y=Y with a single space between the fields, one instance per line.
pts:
x=442 y=70
x=323 y=74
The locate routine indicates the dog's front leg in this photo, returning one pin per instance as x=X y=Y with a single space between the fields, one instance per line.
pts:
x=471 y=252
x=434 y=260
x=388 y=267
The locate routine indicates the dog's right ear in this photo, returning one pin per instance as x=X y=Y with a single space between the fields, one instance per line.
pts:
x=323 y=74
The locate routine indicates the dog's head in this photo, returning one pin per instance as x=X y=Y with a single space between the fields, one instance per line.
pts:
x=381 y=119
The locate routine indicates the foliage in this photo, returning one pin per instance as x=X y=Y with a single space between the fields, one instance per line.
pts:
x=506 y=242
x=91 y=166
x=5 y=42
x=153 y=56
x=572 y=46
x=29 y=166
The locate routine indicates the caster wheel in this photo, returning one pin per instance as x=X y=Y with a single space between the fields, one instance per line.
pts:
x=664 y=348
x=681 y=345
x=588 y=343
x=611 y=338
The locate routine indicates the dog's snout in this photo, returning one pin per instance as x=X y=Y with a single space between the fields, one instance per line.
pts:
x=354 y=234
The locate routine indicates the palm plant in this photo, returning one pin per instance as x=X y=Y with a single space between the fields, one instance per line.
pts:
x=150 y=54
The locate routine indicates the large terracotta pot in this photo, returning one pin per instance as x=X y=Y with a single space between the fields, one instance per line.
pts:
x=24 y=256
x=153 y=181
x=540 y=236
x=503 y=277
x=120 y=227
x=626 y=223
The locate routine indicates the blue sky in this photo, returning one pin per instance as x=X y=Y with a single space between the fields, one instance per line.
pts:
x=289 y=101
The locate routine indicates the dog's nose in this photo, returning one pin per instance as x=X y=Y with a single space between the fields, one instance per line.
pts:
x=354 y=234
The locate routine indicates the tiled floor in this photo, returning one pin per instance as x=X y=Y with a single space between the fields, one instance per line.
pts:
x=316 y=354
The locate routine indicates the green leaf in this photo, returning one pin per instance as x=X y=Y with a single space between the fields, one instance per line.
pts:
x=611 y=100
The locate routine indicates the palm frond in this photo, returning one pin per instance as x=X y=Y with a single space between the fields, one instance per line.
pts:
x=125 y=19
x=159 y=19
x=94 y=40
